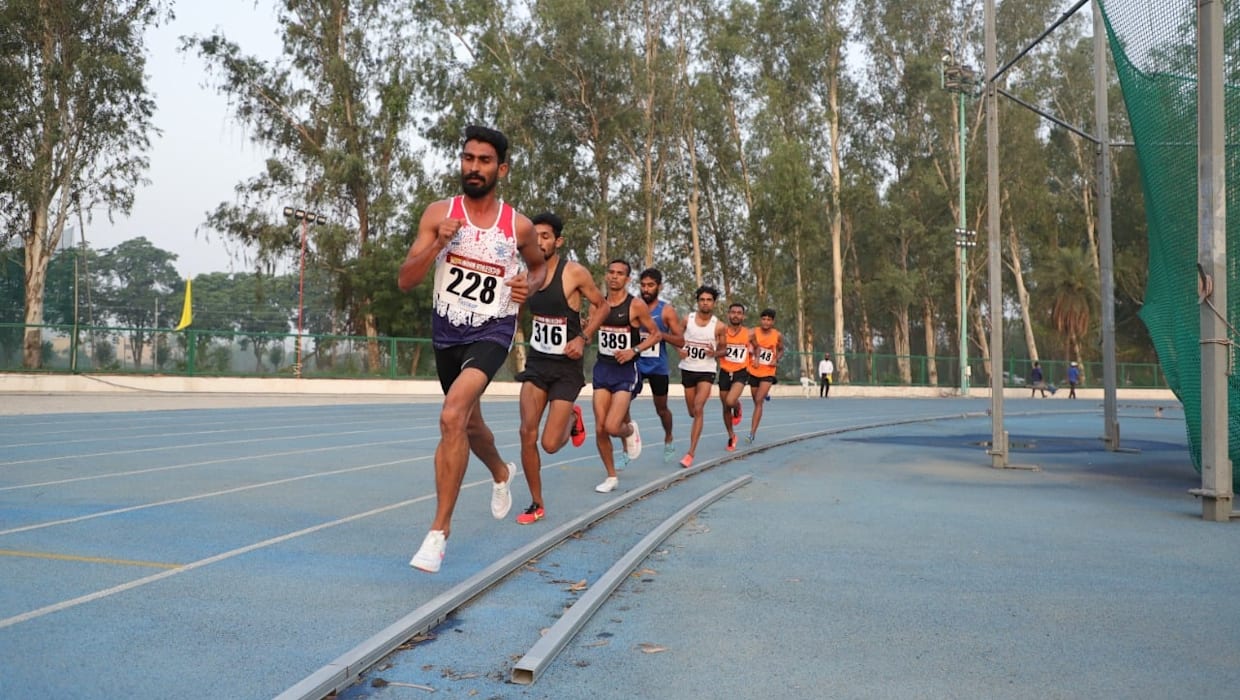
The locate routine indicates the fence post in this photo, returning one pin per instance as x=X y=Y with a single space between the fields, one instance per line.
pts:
x=191 y=351
x=392 y=358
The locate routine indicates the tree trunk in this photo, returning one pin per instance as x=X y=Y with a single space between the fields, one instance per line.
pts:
x=900 y=340
x=36 y=279
x=372 y=338
x=835 y=216
x=802 y=330
x=1022 y=293
x=981 y=336
x=932 y=365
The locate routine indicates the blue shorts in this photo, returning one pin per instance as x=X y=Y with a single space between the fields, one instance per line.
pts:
x=616 y=377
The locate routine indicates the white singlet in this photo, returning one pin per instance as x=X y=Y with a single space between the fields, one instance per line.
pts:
x=700 y=346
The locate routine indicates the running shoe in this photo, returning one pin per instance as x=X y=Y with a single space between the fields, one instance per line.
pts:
x=633 y=443
x=579 y=427
x=749 y=439
x=669 y=452
x=731 y=443
x=736 y=415
x=430 y=554
x=609 y=484
x=501 y=495
x=686 y=461
x=768 y=397
x=531 y=515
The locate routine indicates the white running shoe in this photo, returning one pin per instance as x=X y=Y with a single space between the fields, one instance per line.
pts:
x=430 y=554
x=609 y=484
x=633 y=443
x=501 y=495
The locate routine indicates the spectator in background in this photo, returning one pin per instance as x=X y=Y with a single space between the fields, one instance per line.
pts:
x=1036 y=381
x=1074 y=378
x=826 y=369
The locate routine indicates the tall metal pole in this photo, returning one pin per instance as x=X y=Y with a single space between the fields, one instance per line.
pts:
x=1106 y=249
x=301 y=293
x=964 y=258
x=999 y=441
x=1216 y=475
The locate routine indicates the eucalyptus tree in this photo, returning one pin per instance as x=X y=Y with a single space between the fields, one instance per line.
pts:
x=725 y=107
x=75 y=122
x=799 y=51
x=333 y=110
x=904 y=44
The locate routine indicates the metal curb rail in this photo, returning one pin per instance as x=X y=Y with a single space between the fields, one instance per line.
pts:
x=544 y=651
x=348 y=667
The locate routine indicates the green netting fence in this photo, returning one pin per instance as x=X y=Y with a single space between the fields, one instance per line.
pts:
x=221 y=353
x=1154 y=45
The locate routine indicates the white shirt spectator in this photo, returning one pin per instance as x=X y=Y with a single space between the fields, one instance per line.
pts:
x=826 y=366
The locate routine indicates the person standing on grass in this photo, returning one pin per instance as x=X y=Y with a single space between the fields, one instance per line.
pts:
x=486 y=259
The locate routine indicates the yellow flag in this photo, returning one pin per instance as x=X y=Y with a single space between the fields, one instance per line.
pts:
x=187 y=312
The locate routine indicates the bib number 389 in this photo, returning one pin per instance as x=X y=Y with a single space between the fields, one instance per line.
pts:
x=612 y=339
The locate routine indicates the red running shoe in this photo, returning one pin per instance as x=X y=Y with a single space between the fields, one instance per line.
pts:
x=732 y=443
x=531 y=515
x=736 y=415
x=579 y=429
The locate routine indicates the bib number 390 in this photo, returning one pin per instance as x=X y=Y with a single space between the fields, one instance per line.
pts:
x=697 y=352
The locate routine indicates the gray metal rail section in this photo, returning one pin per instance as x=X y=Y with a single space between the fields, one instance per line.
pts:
x=348 y=667
x=544 y=651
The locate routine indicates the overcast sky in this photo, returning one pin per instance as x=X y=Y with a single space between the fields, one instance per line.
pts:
x=201 y=153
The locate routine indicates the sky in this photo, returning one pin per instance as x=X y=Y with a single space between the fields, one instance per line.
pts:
x=202 y=153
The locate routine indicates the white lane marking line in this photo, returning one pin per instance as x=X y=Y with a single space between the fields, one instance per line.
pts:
x=250 y=428
x=224 y=460
x=211 y=494
x=185 y=447
x=98 y=595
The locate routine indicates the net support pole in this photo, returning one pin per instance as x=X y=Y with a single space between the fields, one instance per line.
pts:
x=998 y=440
x=1106 y=249
x=1216 y=474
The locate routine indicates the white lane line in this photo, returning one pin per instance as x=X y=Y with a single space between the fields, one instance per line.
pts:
x=210 y=494
x=223 y=460
x=114 y=434
x=195 y=416
x=98 y=595
x=188 y=446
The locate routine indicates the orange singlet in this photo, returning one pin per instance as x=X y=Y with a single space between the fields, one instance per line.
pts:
x=736 y=356
x=763 y=364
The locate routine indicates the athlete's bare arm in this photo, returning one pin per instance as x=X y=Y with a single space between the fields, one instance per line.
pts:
x=579 y=281
x=535 y=264
x=435 y=232
x=721 y=339
x=675 y=334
